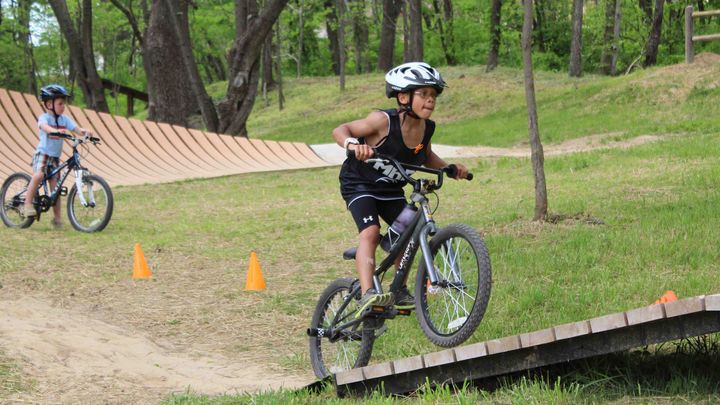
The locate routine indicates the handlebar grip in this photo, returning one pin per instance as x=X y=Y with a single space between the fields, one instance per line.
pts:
x=351 y=154
x=451 y=171
x=60 y=135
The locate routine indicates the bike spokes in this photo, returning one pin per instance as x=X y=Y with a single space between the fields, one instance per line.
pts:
x=451 y=309
x=12 y=198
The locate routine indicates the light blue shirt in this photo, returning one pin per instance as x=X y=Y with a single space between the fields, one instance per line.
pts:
x=47 y=145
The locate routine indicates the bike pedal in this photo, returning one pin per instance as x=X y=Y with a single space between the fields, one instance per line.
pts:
x=404 y=312
x=377 y=309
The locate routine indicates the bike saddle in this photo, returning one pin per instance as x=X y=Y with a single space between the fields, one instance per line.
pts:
x=350 y=253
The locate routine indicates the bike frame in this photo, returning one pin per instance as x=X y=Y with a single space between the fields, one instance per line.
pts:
x=422 y=226
x=72 y=163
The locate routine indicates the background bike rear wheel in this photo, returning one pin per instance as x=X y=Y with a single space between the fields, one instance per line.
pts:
x=354 y=348
x=450 y=312
x=12 y=196
x=94 y=216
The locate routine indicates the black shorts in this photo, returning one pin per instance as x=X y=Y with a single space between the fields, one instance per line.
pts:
x=366 y=210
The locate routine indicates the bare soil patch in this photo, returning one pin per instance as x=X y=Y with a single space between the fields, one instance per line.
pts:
x=75 y=358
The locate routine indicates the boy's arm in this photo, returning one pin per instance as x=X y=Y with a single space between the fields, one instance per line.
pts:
x=436 y=162
x=81 y=132
x=346 y=135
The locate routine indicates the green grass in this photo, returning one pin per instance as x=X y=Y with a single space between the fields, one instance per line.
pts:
x=659 y=202
x=489 y=108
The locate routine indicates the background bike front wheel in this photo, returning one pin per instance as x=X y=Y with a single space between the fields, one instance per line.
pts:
x=450 y=312
x=94 y=214
x=353 y=346
x=12 y=196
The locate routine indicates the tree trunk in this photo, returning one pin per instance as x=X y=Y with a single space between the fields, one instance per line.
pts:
x=495 y=35
x=361 y=36
x=653 y=42
x=606 y=56
x=540 y=25
x=267 y=63
x=443 y=21
x=416 y=32
x=301 y=37
x=391 y=11
x=341 y=41
x=24 y=38
x=178 y=17
x=616 y=38
x=244 y=67
x=576 y=44
x=278 y=69
x=646 y=7
x=170 y=100
x=537 y=156
x=331 y=24
x=82 y=58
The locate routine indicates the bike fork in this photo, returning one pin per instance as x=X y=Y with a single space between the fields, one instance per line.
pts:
x=78 y=184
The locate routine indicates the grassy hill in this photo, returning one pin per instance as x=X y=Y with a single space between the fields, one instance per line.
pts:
x=659 y=204
x=482 y=108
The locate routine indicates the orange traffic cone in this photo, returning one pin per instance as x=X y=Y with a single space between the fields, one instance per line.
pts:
x=669 y=296
x=140 y=266
x=255 y=280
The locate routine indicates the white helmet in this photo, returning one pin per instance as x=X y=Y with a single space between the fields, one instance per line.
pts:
x=412 y=75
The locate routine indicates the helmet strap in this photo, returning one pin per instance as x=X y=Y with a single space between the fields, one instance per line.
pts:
x=407 y=108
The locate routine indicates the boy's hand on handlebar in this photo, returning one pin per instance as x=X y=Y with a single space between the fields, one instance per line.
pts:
x=362 y=152
x=458 y=171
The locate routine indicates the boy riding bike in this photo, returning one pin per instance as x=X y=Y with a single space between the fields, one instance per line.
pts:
x=373 y=191
x=49 y=149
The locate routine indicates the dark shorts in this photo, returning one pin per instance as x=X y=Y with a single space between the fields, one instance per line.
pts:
x=367 y=210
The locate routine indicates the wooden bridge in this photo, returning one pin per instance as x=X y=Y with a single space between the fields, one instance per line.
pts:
x=563 y=343
x=138 y=152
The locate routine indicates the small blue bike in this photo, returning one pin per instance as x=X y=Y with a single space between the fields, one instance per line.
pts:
x=89 y=202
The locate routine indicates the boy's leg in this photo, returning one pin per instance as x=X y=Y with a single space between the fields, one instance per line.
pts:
x=58 y=205
x=365 y=256
x=29 y=209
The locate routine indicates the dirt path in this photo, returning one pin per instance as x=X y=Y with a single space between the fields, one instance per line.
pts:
x=76 y=359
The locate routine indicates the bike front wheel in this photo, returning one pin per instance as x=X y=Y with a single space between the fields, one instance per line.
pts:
x=12 y=196
x=450 y=311
x=332 y=350
x=90 y=207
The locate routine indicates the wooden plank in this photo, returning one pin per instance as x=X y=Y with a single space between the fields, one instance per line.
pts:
x=571 y=330
x=537 y=338
x=608 y=322
x=708 y=13
x=167 y=167
x=439 y=358
x=471 y=351
x=184 y=149
x=233 y=145
x=706 y=38
x=580 y=346
x=310 y=154
x=408 y=364
x=223 y=155
x=685 y=306
x=378 y=370
x=645 y=314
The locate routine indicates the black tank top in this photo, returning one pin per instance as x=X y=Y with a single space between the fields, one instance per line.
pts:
x=378 y=179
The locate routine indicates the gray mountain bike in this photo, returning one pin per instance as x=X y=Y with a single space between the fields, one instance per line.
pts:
x=89 y=201
x=452 y=285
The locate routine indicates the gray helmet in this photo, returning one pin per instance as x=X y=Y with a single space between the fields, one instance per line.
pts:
x=53 y=91
x=410 y=76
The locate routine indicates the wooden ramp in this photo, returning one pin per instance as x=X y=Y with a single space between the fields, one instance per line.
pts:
x=492 y=359
x=138 y=152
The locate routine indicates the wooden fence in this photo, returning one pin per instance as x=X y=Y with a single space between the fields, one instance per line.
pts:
x=690 y=36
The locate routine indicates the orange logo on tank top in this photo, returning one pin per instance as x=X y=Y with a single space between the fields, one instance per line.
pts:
x=418 y=148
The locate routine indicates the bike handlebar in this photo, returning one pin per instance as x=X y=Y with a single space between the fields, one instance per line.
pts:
x=450 y=170
x=73 y=138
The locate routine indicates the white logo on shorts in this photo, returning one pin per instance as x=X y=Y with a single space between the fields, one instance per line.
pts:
x=367 y=219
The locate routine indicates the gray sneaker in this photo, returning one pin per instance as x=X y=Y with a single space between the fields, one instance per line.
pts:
x=403 y=299
x=29 y=212
x=372 y=297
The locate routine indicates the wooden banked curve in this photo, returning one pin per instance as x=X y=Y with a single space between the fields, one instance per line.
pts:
x=563 y=343
x=139 y=152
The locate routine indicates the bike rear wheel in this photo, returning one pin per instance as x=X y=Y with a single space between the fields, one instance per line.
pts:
x=450 y=311
x=351 y=347
x=93 y=214
x=12 y=196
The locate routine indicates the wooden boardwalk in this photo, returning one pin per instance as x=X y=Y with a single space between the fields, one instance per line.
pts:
x=139 y=152
x=578 y=340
